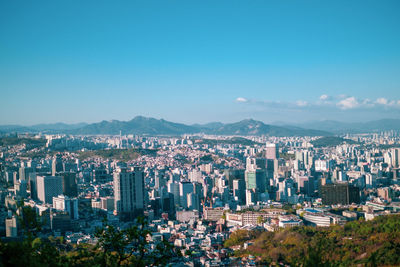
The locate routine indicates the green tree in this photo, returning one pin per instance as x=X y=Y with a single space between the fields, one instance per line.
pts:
x=260 y=220
x=130 y=246
x=31 y=250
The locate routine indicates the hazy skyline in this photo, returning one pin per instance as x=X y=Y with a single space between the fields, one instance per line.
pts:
x=197 y=62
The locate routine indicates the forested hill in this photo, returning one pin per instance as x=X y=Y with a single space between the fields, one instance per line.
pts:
x=358 y=243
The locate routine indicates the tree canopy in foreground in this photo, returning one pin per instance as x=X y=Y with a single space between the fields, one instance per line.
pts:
x=115 y=247
x=364 y=243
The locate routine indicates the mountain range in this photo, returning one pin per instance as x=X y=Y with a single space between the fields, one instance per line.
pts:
x=150 y=126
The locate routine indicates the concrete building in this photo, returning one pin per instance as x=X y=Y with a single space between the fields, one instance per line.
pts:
x=271 y=151
x=70 y=187
x=56 y=165
x=185 y=188
x=239 y=191
x=339 y=193
x=49 y=187
x=128 y=192
x=11 y=226
x=64 y=203
x=213 y=214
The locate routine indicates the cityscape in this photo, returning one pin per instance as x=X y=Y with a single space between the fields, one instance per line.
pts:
x=215 y=133
x=196 y=190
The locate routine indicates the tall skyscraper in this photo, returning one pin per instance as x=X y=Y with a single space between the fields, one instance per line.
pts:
x=70 y=188
x=57 y=165
x=256 y=174
x=395 y=157
x=173 y=188
x=32 y=185
x=272 y=151
x=49 y=187
x=185 y=188
x=128 y=192
x=239 y=190
x=256 y=179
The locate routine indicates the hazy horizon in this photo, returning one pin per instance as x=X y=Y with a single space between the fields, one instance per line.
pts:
x=288 y=123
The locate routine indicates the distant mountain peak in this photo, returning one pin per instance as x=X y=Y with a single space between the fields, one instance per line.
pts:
x=250 y=121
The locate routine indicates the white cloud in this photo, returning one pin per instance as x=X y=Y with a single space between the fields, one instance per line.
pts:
x=326 y=102
x=382 y=101
x=301 y=103
x=324 y=97
x=241 y=99
x=348 y=103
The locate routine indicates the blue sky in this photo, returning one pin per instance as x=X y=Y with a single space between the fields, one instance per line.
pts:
x=199 y=61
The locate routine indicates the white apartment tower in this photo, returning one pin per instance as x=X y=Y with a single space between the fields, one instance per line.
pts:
x=128 y=191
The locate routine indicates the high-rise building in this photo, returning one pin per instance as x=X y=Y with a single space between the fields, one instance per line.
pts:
x=159 y=180
x=185 y=188
x=20 y=188
x=173 y=188
x=251 y=197
x=195 y=176
x=9 y=175
x=57 y=165
x=395 y=157
x=272 y=151
x=64 y=203
x=305 y=158
x=339 y=193
x=24 y=173
x=239 y=191
x=11 y=226
x=370 y=180
x=15 y=177
x=231 y=175
x=256 y=179
x=128 y=192
x=270 y=170
x=32 y=185
x=49 y=187
x=193 y=201
x=168 y=205
x=70 y=188
x=256 y=174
